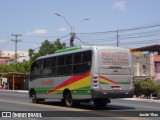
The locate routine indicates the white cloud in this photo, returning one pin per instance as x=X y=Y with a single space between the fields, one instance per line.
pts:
x=62 y=29
x=119 y=5
x=37 y=32
x=2 y=41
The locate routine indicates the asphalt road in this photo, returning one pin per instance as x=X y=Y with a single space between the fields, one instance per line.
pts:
x=119 y=108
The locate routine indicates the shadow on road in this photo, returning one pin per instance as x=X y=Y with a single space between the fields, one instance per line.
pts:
x=90 y=106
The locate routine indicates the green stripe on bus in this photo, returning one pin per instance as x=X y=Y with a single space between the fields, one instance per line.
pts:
x=85 y=88
x=123 y=83
x=69 y=49
x=43 y=90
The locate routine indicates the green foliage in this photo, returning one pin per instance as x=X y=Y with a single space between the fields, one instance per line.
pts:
x=144 y=87
x=148 y=87
x=46 y=47
x=22 y=67
x=137 y=90
x=157 y=91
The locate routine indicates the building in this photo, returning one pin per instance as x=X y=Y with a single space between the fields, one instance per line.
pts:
x=3 y=60
x=147 y=64
x=14 y=81
x=8 y=56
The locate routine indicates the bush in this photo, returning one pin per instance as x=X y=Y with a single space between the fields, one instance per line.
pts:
x=148 y=87
x=145 y=87
x=137 y=88
x=157 y=91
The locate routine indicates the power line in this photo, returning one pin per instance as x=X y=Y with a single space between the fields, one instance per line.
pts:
x=82 y=41
x=123 y=30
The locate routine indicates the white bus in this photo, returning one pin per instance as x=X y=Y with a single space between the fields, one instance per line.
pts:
x=82 y=74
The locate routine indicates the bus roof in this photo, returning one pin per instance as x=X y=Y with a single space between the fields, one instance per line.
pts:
x=79 y=48
x=69 y=49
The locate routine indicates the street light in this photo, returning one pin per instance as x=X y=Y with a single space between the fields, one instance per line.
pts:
x=72 y=29
x=65 y=20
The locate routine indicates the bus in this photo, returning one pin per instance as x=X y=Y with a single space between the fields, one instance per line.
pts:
x=82 y=74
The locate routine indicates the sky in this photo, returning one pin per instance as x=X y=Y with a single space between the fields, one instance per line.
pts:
x=36 y=21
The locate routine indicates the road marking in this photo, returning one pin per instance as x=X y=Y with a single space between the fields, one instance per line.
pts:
x=43 y=106
x=94 y=112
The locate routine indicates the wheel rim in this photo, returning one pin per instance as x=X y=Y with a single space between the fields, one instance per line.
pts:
x=33 y=98
x=68 y=99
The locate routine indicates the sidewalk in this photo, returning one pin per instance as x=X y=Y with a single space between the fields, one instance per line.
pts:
x=22 y=91
x=157 y=100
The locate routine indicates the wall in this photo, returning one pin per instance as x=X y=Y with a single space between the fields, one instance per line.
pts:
x=143 y=65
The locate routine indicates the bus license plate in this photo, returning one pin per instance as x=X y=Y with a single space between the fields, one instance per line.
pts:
x=116 y=87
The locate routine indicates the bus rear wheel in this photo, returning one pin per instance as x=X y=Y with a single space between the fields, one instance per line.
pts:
x=100 y=103
x=68 y=99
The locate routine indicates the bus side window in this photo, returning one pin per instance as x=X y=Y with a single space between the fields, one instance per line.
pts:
x=61 y=60
x=86 y=57
x=54 y=66
x=68 y=60
x=78 y=58
x=39 y=68
x=33 y=73
x=47 y=66
x=82 y=62
x=36 y=69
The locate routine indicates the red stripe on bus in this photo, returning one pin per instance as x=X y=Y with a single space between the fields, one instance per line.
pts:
x=70 y=81
x=108 y=80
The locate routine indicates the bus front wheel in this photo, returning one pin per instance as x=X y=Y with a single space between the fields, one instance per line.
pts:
x=33 y=98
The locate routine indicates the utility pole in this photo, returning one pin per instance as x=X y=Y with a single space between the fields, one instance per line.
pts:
x=72 y=39
x=72 y=34
x=117 y=39
x=16 y=41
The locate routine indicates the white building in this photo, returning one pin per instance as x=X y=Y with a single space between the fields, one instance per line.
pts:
x=21 y=55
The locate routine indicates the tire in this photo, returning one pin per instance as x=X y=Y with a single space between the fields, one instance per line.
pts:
x=33 y=98
x=68 y=99
x=100 y=103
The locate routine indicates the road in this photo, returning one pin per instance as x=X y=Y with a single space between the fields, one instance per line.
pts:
x=122 y=109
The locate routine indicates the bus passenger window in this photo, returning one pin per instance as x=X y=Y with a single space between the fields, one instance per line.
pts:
x=61 y=60
x=68 y=60
x=77 y=58
x=86 y=57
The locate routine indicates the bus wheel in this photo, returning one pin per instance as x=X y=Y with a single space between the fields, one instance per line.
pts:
x=68 y=99
x=33 y=98
x=100 y=103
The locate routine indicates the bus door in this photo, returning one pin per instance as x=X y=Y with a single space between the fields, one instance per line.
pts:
x=115 y=73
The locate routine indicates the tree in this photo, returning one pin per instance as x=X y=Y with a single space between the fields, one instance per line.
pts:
x=22 y=67
x=31 y=55
x=59 y=45
x=47 y=47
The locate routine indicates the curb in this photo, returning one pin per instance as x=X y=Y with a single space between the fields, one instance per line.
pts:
x=21 y=91
x=140 y=99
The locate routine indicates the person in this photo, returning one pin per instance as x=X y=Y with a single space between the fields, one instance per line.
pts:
x=5 y=86
x=2 y=86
